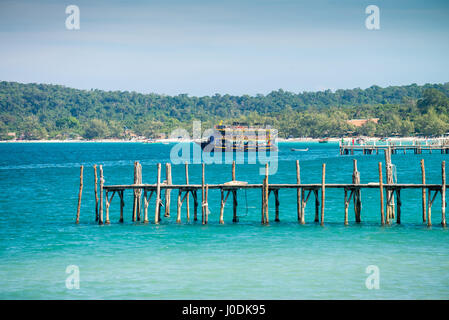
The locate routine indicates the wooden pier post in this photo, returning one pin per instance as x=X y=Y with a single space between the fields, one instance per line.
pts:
x=357 y=193
x=100 y=220
x=303 y=207
x=346 y=206
x=317 y=205
x=222 y=206
x=195 y=205
x=206 y=207
x=267 y=194
x=323 y=192
x=107 y=207
x=135 y=192
x=276 y=201
x=122 y=204
x=187 y=197
x=298 y=191
x=178 y=217
x=398 y=208
x=80 y=193
x=145 y=206
x=389 y=179
x=429 y=208
x=167 y=191
x=381 y=189
x=203 y=196
x=263 y=201
x=443 y=194
x=423 y=181
x=96 y=192
x=234 y=196
x=158 y=195
x=108 y=203
x=234 y=206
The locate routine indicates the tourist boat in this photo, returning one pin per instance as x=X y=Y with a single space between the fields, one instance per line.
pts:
x=240 y=137
x=325 y=140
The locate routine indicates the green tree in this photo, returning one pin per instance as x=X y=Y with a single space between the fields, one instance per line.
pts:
x=96 y=129
x=432 y=124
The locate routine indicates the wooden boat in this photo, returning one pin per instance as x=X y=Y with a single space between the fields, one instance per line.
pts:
x=241 y=138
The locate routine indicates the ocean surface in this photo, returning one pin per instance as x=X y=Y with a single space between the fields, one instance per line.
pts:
x=39 y=239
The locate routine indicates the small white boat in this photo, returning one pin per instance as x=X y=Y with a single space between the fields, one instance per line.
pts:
x=302 y=150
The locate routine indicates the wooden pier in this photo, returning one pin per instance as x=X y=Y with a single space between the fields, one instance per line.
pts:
x=374 y=149
x=388 y=192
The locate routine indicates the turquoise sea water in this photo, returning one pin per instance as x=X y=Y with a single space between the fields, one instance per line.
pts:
x=38 y=237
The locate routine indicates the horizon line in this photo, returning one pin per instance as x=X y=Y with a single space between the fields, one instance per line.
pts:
x=223 y=94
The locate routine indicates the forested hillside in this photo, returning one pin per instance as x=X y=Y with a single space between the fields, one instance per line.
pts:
x=41 y=111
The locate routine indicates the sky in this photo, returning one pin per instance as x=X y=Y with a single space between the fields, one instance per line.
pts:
x=204 y=47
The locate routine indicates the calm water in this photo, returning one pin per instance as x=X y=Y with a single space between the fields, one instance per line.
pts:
x=38 y=238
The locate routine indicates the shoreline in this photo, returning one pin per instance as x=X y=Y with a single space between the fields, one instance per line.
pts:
x=165 y=141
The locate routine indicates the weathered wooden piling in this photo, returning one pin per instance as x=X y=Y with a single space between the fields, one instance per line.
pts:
x=267 y=194
x=317 y=205
x=146 y=200
x=206 y=205
x=137 y=192
x=80 y=193
x=96 y=192
x=107 y=206
x=195 y=205
x=187 y=196
x=100 y=220
x=122 y=204
x=178 y=216
x=347 y=200
x=263 y=201
x=381 y=189
x=303 y=204
x=108 y=203
x=234 y=206
x=276 y=203
x=389 y=178
x=424 y=205
x=203 y=195
x=357 y=194
x=158 y=195
x=298 y=192
x=429 y=208
x=145 y=206
x=223 y=202
x=398 y=208
x=234 y=196
x=323 y=191
x=168 y=180
x=443 y=193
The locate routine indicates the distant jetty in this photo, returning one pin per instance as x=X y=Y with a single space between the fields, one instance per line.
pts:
x=416 y=146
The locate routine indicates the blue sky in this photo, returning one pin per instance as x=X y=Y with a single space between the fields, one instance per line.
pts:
x=235 y=47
